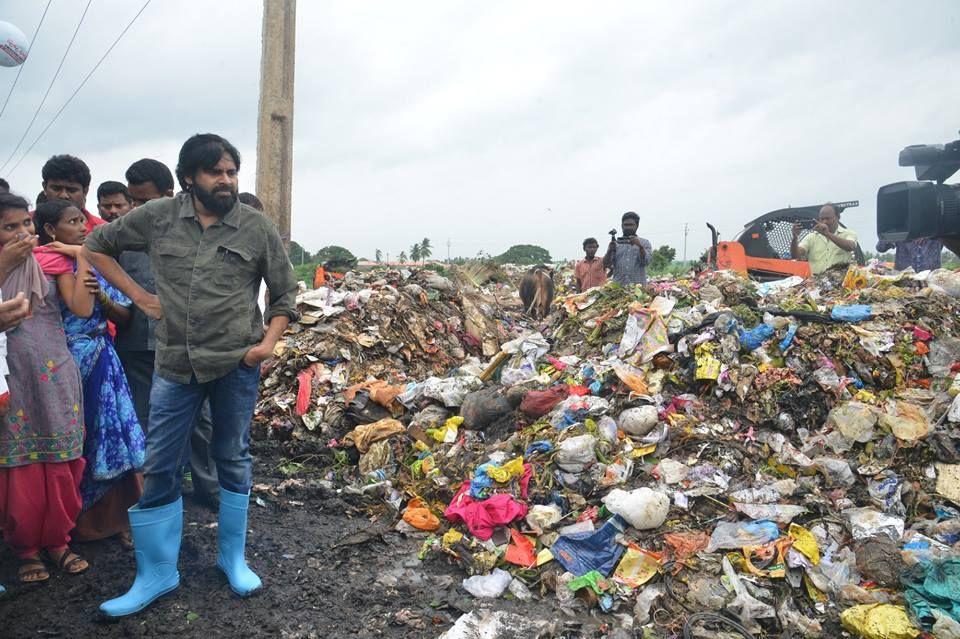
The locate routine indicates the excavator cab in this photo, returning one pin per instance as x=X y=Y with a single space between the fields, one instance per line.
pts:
x=762 y=248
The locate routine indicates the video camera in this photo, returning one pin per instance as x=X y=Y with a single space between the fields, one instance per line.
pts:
x=927 y=208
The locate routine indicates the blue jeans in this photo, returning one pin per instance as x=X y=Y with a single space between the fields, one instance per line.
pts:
x=174 y=409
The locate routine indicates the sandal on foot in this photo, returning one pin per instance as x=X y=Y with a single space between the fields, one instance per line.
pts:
x=69 y=561
x=32 y=571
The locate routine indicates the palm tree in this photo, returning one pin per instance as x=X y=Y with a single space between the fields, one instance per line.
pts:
x=425 y=249
x=402 y=257
x=378 y=256
x=415 y=252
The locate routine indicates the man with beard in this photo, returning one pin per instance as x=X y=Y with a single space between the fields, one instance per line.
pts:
x=113 y=201
x=149 y=179
x=208 y=253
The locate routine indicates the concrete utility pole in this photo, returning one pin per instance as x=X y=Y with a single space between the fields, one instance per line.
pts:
x=275 y=122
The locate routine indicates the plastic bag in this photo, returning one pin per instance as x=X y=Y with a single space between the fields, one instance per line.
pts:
x=638 y=421
x=782 y=514
x=854 y=420
x=597 y=550
x=753 y=338
x=576 y=454
x=421 y=518
x=642 y=508
x=836 y=471
x=747 y=607
x=488 y=586
x=906 y=421
x=538 y=403
x=736 y=535
x=637 y=567
x=867 y=522
x=641 y=609
x=543 y=517
x=851 y=313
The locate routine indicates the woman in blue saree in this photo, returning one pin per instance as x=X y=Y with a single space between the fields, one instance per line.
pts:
x=114 y=441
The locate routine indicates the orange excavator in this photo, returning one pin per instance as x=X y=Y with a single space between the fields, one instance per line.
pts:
x=762 y=249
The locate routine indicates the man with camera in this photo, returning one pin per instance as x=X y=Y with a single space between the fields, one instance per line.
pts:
x=629 y=255
x=828 y=246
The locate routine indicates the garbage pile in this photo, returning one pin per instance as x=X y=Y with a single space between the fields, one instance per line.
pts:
x=389 y=325
x=690 y=458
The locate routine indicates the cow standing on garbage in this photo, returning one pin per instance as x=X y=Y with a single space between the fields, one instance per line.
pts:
x=536 y=291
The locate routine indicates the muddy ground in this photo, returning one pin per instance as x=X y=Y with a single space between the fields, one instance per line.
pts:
x=327 y=572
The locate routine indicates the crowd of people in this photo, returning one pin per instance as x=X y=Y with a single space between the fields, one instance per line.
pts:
x=130 y=345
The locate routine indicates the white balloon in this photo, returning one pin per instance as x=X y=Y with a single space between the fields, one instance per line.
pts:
x=13 y=45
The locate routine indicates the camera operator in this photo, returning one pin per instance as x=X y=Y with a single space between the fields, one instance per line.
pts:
x=922 y=254
x=629 y=255
x=828 y=246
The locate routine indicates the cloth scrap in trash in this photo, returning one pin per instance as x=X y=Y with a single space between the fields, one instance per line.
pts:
x=481 y=517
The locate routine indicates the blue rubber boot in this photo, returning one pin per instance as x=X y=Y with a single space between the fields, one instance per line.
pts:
x=232 y=537
x=156 y=536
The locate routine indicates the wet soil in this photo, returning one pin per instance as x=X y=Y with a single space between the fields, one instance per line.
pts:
x=328 y=571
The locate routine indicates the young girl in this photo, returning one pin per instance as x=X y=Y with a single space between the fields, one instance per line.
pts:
x=114 y=446
x=41 y=435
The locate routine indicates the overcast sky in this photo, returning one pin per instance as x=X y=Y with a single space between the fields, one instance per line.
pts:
x=499 y=123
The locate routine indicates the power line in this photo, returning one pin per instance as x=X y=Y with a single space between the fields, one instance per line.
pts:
x=80 y=86
x=49 y=86
x=29 y=51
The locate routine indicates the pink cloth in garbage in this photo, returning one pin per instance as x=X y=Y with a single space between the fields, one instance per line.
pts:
x=481 y=516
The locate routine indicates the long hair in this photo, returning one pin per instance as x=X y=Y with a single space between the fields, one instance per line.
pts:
x=50 y=212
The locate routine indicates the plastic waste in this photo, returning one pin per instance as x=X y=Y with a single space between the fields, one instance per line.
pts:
x=542 y=517
x=855 y=420
x=494 y=624
x=867 y=522
x=592 y=580
x=421 y=518
x=598 y=550
x=519 y=590
x=521 y=550
x=607 y=428
x=886 y=493
x=641 y=609
x=836 y=471
x=639 y=420
x=851 y=313
x=637 y=567
x=488 y=586
x=782 y=514
x=536 y=404
x=736 y=535
x=906 y=421
x=642 y=508
x=753 y=338
x=747 y=607
x=576 y=454
x=946 y=280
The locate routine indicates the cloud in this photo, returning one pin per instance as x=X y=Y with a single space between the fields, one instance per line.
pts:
x=518 y=122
